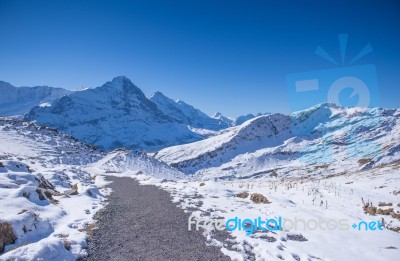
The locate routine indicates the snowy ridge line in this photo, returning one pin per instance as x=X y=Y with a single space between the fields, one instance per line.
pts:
x=319 y=141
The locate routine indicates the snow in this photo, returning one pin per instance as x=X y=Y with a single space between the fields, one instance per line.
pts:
x=299 y=198
x=187 y=114
x=300 y=186
x=293 y=143
x=238 y=120
x=16 y=101
x=115 y=115
x=134 y=164
x=337 y=156
x=317 y=165
x=223 y=118
x=38 y=167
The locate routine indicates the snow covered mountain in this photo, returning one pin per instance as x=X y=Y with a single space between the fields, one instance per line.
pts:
x=283 y=144
x=314 y=166
x=243 y=118
x=317 y=164
x=238 y=120
x=16 y=101
x=115 y=115
x=228 y=121
x=187 y=114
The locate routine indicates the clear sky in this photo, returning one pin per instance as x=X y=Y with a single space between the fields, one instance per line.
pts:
x=228 y=56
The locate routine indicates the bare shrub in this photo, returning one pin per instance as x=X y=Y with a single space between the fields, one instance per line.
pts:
x=7 y=235
x=396 y=215
x=369 y=208
x=296 y=237
x=89 y=229
x=383 y=204
x=395 y=229
x=388 y=211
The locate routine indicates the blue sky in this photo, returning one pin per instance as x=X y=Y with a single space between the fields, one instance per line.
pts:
x=227 y=56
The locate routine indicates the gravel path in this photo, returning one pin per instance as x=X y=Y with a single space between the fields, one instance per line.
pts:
x=141 y=223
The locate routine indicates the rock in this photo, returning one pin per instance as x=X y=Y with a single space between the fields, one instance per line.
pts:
x=258 y=198
x=40 y=194
x=71 y=192
x=273 y=174
x=242 y=195
x=89 y=192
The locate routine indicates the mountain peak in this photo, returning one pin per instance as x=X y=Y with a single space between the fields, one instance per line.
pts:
x=217 y=114
x=119 y=82
x=5 y=84
x=124 y=84
x=326 y=105
x=117 y=114
x=120 y=79
x=158 y=95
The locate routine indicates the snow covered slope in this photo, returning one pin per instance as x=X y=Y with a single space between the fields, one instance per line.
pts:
x=114 y=115
x=320 y=216
x=325 y=136
x=134 y=164
x=325 y=165
x=187 y=114
x=236 y=121
x=47 y=200
x=243 y=118
x=16 y=101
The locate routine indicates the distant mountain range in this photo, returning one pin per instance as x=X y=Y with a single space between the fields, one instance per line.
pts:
x=16 y=101
x=332 y=139
x=182 y=112
x=324 y=160
x=117 y=114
